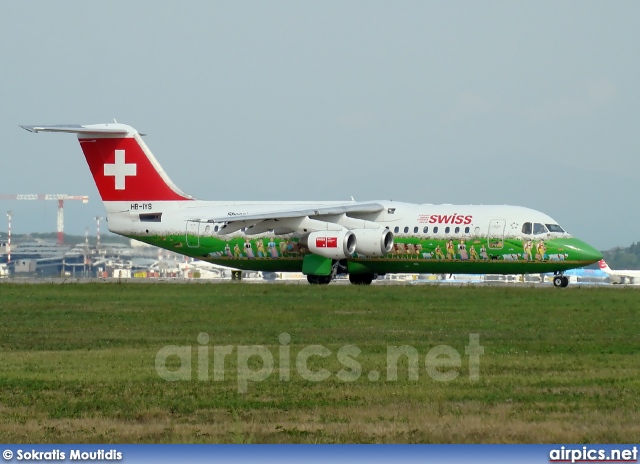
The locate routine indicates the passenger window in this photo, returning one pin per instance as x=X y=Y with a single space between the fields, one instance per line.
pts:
x=446 y=230
x=539 y=229
x=215 y=229
x=426 y=229
x=406 y=230
x=396 y=229
x=435 y=230
x=467 y=230
x=526 y=228
x=415 y=230
x=457 y=230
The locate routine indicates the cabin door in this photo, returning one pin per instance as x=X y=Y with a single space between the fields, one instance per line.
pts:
x=495 y=237
x=193 y=234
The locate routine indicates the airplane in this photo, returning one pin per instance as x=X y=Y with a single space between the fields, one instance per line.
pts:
x=625 y=276
x=320 y=239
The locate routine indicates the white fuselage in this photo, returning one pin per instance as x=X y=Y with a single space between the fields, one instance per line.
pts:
x=442 y=221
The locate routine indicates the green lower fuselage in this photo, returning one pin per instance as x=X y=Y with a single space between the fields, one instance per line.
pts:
x=463 y=255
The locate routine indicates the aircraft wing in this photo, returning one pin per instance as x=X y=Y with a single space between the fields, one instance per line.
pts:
x=294 y=220
x=320 y=211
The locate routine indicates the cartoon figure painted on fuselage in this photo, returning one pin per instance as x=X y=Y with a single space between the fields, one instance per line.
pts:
x=483 y=252
x=527 y=246
x=474 y=253
x=227 y=251
x=411 y=249
x=273 y=251
x=260 y=245
x=450 y=250
x=462 y=251
x=236 y=251
x=399 y=249
x=292 y=248
x=248 y=249
x=439 y=253
x=541 y=249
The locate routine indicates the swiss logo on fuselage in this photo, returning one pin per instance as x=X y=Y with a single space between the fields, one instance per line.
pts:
x=326 y=242
x=445 y=219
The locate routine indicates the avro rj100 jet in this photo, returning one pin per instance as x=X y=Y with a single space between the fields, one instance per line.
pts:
x=320 y=239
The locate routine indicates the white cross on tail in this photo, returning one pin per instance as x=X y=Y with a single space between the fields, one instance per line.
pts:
x=120 y=170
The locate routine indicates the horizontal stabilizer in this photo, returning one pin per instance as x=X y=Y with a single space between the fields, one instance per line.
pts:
x=123 y=167
x=93 y=129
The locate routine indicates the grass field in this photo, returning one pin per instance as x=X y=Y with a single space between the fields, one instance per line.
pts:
x=78 y=364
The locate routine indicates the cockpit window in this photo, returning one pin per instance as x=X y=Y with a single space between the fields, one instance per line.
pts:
x=526 y=228
x=555 y=228
x=539 y=229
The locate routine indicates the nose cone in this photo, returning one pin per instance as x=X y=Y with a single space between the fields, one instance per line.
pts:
x=581 y=251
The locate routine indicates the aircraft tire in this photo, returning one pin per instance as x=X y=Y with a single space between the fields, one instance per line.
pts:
x=361 y=279
x=557 y=281
x=565 y=281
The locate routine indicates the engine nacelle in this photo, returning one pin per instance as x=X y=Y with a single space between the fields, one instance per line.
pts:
x=374 y=242
x=331 y=244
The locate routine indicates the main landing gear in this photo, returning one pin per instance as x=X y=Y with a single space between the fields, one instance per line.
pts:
x=319 y=280
x=340 y=267
x=560 y=280
x=361 y=279
x=356 y=279
x=337 y=267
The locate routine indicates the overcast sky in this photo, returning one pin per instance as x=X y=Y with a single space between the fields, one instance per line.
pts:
x=533 y=104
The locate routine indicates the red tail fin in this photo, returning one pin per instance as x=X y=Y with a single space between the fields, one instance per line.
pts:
x=125 y=170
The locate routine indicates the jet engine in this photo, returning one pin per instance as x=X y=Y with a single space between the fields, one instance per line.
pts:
x=374 y=242
x=331 y=244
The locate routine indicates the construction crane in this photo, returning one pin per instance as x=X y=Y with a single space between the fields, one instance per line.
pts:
x=61 y=198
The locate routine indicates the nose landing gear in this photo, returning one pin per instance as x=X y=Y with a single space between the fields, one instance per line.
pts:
x=560 y=280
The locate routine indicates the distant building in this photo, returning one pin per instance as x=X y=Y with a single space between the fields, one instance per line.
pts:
x=24 y=266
